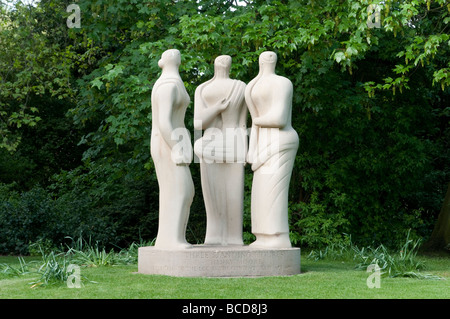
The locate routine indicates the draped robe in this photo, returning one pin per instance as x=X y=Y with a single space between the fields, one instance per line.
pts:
x=222 y=151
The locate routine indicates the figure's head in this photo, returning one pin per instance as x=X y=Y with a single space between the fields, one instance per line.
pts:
x=170 y=57
x=268 y=59
x=222 y=62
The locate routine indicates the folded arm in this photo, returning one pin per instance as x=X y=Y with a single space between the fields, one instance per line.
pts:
x=203 y=116
x=278 y=115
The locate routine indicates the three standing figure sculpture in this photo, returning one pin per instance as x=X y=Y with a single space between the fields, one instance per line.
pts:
x=221 y=106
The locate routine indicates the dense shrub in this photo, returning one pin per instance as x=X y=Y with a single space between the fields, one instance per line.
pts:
x=34 y=216
x=370 y=106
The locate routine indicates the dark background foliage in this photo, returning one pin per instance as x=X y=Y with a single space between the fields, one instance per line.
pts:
x=371 y=106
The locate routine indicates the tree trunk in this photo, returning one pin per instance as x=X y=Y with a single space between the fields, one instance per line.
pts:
x=440 y=237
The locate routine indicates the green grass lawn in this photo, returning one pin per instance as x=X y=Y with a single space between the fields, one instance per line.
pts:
x=322 y=279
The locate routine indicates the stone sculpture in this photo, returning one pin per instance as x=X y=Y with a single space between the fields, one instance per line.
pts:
x=272 y=149
x=171 y=150
x=220 y=110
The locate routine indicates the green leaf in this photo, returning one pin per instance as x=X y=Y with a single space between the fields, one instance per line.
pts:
x=339 y=56
x=96 y=83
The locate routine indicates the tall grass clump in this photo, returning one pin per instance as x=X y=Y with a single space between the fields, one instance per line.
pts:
x=57 y=265
x=335 y=251
x=92 y=256
x=85 y=253
x=53 y=269
x=401 y=263
x=8 y=270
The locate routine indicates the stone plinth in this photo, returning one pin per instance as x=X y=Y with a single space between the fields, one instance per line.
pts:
x=219 y=261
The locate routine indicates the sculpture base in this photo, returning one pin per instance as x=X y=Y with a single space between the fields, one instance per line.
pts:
x=219 y=261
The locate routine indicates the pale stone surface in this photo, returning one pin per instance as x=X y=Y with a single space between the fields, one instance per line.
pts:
x=176 y=188
x=220 y=110
x=272 y=149
x=219 y=261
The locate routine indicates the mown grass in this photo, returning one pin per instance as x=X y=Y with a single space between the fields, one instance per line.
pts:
x=320 y=279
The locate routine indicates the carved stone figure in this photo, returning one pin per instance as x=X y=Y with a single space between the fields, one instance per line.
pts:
x=220 y=110
x=171 y=150
x=272 y=149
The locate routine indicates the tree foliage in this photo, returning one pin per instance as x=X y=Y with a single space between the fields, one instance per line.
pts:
x=371 y=104
x=32 y=65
